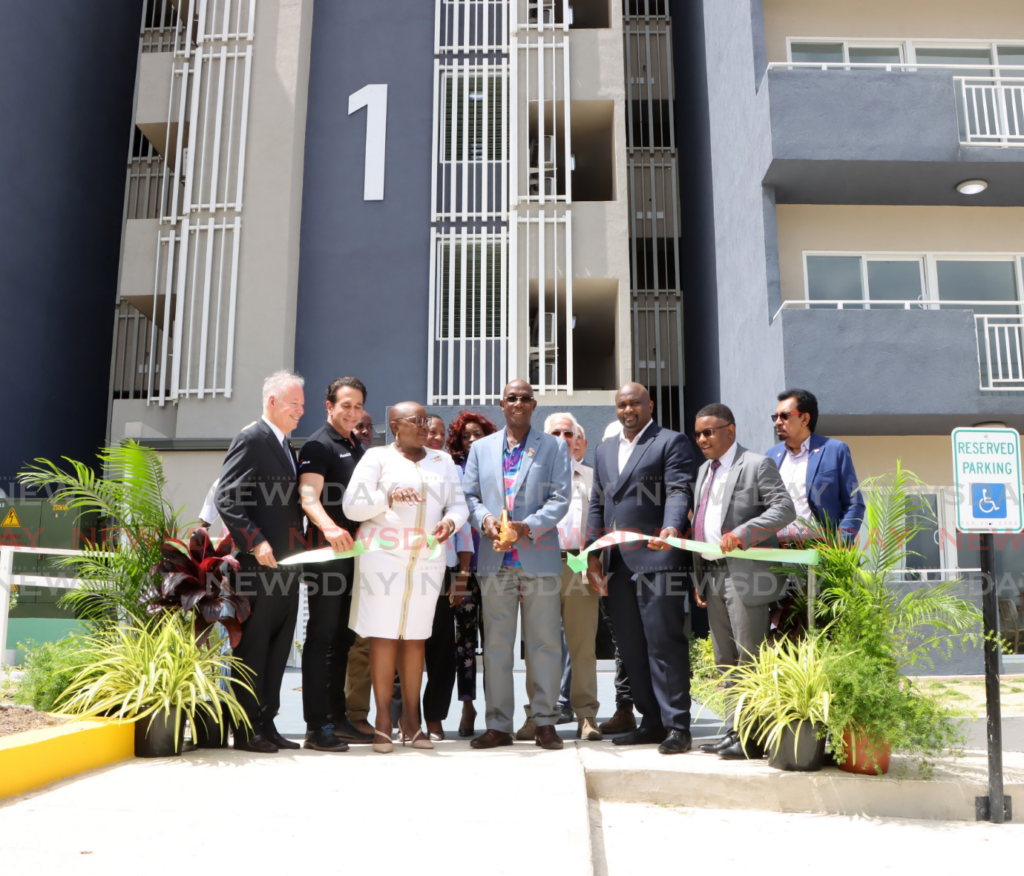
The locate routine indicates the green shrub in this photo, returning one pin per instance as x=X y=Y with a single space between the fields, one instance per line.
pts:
x=705 y=676
x=49 y=669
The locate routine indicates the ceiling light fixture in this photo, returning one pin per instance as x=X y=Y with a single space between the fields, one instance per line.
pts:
x=972 y=186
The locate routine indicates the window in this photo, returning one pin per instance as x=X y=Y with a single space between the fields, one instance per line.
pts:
x=453 y=303
x=834 y=278
x=817 y=53
x=964 y=57
x=464 y=118
x=977 y=281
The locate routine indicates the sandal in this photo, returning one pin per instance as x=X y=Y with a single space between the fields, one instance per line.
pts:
x=383 y=747
x=418 y=739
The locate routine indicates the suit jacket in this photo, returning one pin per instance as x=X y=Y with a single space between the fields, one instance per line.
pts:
x=757 y=505
x=541 y=498
x=258 y=496
x=831 y=484
x=654 y=490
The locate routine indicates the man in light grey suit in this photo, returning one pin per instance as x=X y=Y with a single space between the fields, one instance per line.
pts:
x=741 y=503
x=527 y=473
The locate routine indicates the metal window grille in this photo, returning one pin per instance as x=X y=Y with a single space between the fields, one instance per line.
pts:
x=160 y=32
x=133 y=339
x=653 y=184
x=145 y=179
x=470 y=304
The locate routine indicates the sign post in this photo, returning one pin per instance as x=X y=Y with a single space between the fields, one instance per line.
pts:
x=987 y=473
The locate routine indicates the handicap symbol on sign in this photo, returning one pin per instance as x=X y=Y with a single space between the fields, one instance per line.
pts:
x=989 y=500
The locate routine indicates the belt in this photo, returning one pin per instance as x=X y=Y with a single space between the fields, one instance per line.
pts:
x=719 y=562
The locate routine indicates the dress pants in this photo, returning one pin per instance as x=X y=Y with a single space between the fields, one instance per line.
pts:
x=542 y=631
x=440 y=658
x=267 y=636
x=623 y=696
x=357 y=681
x=580 y=608
x=328 y=640
x=649 y=615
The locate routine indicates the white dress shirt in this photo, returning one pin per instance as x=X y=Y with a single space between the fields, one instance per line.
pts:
x=569 y=526
x=626 y=446
x=210 y=514
x=793 y=470
x=280 y=440
x=714 y=514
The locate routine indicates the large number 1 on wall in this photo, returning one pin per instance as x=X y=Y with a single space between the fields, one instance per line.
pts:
x=375 y=99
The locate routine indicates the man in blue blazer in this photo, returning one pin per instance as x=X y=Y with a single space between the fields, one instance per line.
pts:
x=817 y=471
x=527 y=473
x=643 y=481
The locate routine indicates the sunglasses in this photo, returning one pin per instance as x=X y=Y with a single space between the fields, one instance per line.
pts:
x=558 y=433
x=785 y=415
x=419 y=422
x=707 y=433
x=516 y=399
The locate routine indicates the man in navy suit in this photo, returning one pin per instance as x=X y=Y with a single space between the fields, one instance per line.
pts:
x=643 y=481
x=817 y=471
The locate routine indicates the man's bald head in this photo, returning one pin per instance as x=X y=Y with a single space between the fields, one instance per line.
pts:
x=634 y=389
x=517 y=403
x=634 y=408
x=517 y=387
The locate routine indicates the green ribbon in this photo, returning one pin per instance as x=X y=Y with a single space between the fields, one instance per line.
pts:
x=578 y=562
x=324 y=555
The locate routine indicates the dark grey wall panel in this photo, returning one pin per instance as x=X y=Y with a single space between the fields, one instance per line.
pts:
x=363 y=269
x=67 y=80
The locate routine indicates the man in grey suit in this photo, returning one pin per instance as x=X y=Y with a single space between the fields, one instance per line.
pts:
x=526 y=473
x=742 y=502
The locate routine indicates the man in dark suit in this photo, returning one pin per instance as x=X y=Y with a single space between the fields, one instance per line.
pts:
x=741 y=503
x=817 y=471
x=258 y=500
x=643 y=481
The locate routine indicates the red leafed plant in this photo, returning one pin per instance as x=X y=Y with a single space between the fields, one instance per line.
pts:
x=195 y=578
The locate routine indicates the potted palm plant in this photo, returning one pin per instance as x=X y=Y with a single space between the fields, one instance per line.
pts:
x=781 y=699
x=158 y=676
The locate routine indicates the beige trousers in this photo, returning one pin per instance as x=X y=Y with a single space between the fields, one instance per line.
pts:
x=580 y=610
x=357 y=681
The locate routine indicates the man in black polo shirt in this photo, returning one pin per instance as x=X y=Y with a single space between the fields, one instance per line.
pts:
x=326 y=463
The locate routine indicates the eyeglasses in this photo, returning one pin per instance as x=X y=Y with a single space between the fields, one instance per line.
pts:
x=558 y=433
x=785 y=415
x=419 y=422
x=707 y=433
x=518 y=399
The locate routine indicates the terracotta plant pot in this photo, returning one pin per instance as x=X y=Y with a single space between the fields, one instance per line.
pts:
x=862 y=759
x=155 y=736
x=803 y=753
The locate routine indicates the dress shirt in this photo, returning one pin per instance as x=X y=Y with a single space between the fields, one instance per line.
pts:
x=626 y=446
x=714 y=514
x=210 y=514
x=793 y=470
x=569 y=527
x=281 y=440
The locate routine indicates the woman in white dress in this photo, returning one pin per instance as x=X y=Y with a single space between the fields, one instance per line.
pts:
x=400 y=493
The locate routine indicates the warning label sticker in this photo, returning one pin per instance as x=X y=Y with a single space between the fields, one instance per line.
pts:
x=11 y=519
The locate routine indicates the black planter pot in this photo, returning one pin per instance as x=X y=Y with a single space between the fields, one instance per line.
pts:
x=809 y=755
x=207 y=733
x=155 y=736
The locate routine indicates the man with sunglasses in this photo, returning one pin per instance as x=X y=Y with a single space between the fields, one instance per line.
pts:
x=817 y=471
x=741 y=503
x=643 y=481
x=526 y=473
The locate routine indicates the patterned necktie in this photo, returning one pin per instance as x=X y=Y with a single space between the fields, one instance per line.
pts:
x=698 y=521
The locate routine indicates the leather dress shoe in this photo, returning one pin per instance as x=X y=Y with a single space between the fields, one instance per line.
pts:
x=588 y=729
x=565 y=714
x=547 y=737
x=621 y=722
x=491 y=739
x=642 y=736
x=719 y=745
x=528 y=732
x=348 y=731
x=739 y=751
x=278 y=740
x=676 y=742
x=257 y=743
x=324 y=739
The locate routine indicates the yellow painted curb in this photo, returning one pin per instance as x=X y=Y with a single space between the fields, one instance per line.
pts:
x=37 y=757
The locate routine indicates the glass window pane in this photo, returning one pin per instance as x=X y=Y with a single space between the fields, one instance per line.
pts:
x=872 y=55
x=817 y=53
x=1014 y=57
x=978 y=281
x=956 y=57
x=834 y=278
x=894 y=281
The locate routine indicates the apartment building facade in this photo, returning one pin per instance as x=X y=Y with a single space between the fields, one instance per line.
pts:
x=860 y=229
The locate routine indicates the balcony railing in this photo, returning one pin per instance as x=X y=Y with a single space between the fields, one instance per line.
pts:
x=1000 y=333
x=990 y=104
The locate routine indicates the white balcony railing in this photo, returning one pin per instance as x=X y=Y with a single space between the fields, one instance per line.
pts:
x=990 y=103
x=999 y=330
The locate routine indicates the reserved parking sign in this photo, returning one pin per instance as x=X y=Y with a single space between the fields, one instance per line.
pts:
x=987 y=472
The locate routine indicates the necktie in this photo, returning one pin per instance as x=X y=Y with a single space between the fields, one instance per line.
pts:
x=698 y=521
x=288 y=452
